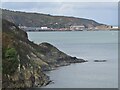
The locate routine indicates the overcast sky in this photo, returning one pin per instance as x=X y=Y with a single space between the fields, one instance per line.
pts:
x=102 y=12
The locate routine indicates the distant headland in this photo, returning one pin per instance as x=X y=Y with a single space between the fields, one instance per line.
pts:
x=46 y=22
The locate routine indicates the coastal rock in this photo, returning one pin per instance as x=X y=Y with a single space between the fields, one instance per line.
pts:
x=24 y=62
x=100 y=60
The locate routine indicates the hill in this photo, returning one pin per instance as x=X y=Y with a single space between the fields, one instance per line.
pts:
x=46 y=20
x=24 y=63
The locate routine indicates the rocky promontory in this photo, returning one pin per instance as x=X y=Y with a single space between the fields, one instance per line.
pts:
x=24 y=62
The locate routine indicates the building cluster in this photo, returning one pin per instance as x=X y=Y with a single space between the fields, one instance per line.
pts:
x=41 y=28
x=33 y=28
x=46 y=28
x=71 y=28
x=80 y=27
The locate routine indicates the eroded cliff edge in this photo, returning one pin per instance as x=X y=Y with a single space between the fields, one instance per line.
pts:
x=24 y=62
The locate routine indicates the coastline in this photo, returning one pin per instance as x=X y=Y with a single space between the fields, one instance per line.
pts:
x=31 y=60
x=41 y=30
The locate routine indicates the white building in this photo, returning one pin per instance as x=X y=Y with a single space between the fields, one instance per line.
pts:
x=22 y=27
x=115 y=27
x=81 y=27
x=44 y=27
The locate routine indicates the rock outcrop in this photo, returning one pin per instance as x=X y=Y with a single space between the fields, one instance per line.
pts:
x=100 y=60
x=24 y=62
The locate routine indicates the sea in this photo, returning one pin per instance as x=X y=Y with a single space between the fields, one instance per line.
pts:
x=88 y=45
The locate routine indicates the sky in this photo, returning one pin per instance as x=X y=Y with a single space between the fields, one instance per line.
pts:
x=102 y=12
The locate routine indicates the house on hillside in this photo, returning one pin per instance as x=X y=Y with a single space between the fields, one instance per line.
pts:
x=79 y=27
x=44 y=28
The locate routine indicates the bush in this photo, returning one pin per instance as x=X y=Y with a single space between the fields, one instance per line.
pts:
x=10 y=61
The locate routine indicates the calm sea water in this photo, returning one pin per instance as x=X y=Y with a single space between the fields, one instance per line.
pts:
x=89 y=46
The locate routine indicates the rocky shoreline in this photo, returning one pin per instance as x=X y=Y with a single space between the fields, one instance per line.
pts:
x=24 y=62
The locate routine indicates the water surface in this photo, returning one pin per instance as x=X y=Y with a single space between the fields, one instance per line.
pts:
x=89 y=46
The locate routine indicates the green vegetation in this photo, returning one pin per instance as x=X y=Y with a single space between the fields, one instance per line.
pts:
x=10 y=61
x=31 y=58
x=45 y=20
x=17 y=50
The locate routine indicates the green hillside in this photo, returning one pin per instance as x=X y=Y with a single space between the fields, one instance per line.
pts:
x=40 y=20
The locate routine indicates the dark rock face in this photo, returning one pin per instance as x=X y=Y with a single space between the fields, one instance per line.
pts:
x=32 y=59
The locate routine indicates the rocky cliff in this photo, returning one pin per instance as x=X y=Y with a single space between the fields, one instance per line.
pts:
x=24 y=62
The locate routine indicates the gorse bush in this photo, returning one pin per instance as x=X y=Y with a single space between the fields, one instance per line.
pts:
x=10 y=61
x=10 y=53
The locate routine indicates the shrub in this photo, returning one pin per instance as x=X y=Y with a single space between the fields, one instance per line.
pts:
x=10 y=61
